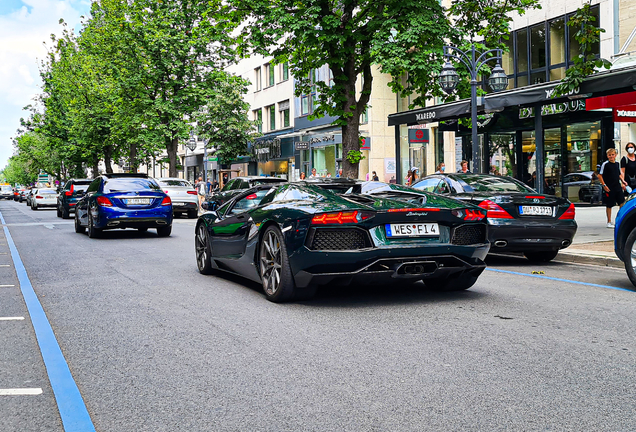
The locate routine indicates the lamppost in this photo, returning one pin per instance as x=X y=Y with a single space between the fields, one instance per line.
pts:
x=192 y=145
x=449 y=78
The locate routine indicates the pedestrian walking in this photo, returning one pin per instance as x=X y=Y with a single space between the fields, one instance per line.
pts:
x=375 y=177
x=613 y=184
x=200 y=186
x=464 y=167
x=441 y=167
x=314 y=174
x=628 y=167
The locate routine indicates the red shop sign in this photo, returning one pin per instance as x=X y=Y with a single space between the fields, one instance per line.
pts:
x=625 y=114
x=611 y=101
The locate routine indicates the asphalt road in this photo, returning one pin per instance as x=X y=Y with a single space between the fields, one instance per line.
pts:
x=152 y=345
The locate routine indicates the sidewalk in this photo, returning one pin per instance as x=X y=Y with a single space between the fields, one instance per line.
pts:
x=593 y=242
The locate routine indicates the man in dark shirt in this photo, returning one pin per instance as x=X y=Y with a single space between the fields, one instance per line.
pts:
x=613 y=184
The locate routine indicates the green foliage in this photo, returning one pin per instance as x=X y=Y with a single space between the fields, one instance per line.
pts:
x=586 y=63
x=18 y=171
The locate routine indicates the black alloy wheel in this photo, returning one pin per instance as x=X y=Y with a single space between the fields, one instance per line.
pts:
x=541 y=256
x=65 y=213
x=34 y=205
x=92 y=231
x=59 y=212
x=276 y=275
x=457 y=283
x=203 y=250
x=78 y=226
x=164 y=231
x=629 y=256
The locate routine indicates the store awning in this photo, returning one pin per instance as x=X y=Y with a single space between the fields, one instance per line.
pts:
x=431 y=114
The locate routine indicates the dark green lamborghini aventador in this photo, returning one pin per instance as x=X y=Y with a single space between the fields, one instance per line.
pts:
x=295 y=237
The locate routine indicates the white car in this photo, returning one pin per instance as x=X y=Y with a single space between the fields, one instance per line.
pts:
x=6 y=191
x=183 y=195
x=43 y=197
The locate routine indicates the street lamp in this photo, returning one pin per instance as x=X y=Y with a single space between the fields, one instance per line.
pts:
x=192 y=145
x=449 y=78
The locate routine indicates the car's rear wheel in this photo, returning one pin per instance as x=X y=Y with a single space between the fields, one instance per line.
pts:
x=451 y=284
x=92 y=231
x=34 y=206
x=59 y=212
x=164 y=231
x=276 y=275
x=541 y=256
x=78 y=227
x=65 y=213
x=192 y=214
x=629 y=256
x=203 y=250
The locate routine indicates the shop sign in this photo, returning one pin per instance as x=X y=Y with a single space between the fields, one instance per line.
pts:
x=552 y=109
x=325 y=138
x=265 y=150
x=213 y=158
x=625 y=114
x=301 y=145
x=425 y=116
x=418 y=136
x=366 y=143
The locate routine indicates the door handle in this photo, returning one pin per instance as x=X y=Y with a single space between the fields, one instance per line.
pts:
x=240 y=217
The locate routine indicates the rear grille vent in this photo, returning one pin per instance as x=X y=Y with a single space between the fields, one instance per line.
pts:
x=339 y=239
x=469 y=234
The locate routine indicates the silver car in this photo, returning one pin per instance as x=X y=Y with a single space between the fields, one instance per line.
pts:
x=183 y=195
x=43 y=197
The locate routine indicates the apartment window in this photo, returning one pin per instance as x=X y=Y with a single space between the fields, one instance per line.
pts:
x=258 y=117
x=364 y=117
x=270 y=75
x=307 y=100
x=544 y=51
x=284 y=71
x=272 y=117
x=257 y=78
x=283 y=109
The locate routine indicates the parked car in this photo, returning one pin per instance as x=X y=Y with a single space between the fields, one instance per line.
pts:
x=519 y=218
x=17 y=191
x=72 y=191
x=123 y=201
x=294 y=237
x=24 y=194
x=43 y=197
x=584 y=185
x=625 y=237
x=183 y=195
x=237 y=185
x=6 y=191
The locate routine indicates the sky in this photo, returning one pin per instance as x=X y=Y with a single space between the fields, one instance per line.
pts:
x=25 y=27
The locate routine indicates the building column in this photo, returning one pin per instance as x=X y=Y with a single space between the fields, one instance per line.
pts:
x=398 y=161
x=539 y=153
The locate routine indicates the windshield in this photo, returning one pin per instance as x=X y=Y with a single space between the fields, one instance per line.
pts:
x=481 y=183
x=130 y=185
x=80 y=187
x=47 y=191
x=181 y=183
x=6 y=188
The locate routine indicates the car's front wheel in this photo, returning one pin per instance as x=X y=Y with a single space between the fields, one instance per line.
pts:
x=629 y=256
x=276 y=275
x=34 y=206
x=203 y=250
x=78 y=226
x=541 y=256
x=59 y=212
x=164 y=231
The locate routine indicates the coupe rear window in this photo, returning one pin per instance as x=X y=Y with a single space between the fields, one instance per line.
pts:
x=130 y=185
x=47 y=191
x=80 y=187
x=495 y=184
x=181 y=183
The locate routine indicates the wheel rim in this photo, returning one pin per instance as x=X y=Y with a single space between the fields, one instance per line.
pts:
x=633 y=256
x=201 y=247
x=271 y=262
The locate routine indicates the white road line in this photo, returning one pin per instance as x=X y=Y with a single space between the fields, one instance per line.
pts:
x=11 y=318
x=5 y=265
x=6 y=286
x=20 y=391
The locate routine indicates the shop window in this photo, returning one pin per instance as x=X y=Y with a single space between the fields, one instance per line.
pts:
x=272 y=117
x=257 y=78
x=537 y=77
x=502 y=153
x=557 y=42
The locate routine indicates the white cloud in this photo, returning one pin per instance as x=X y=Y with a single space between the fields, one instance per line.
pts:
x=23 y=34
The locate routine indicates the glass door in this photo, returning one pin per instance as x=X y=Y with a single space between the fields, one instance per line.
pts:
x=552 y=161
x=503 y=160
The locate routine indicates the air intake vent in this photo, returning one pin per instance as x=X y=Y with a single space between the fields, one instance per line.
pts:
x=469 y=234
x=339 y=239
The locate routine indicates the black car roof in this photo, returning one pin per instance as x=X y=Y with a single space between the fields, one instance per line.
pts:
x=81 y=181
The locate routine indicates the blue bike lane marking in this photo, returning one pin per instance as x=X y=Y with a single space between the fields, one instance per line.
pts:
x=560 y=280
x=75 y=417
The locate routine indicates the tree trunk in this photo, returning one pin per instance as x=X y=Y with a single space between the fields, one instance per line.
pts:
x=95 y=167
x=350 y=141
x=171 y=149
x=108 y=151
x=133 y=158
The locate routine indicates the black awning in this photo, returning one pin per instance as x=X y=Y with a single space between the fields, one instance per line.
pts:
x=603 y=82
x=431 y=114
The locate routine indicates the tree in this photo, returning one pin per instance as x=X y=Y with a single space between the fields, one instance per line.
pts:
x=405 y=38
x=586 y=63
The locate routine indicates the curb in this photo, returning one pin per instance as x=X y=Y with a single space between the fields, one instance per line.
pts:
x=590 y=258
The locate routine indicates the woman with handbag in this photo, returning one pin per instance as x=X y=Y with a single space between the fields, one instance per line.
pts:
x=628 y=166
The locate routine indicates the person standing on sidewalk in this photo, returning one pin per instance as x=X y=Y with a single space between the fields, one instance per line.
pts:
x=200 y=186
x=613 y=184
x=628 y=166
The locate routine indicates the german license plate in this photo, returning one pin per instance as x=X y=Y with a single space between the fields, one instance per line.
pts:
x=138 y=201
x=412 y=230
x=535 y=211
